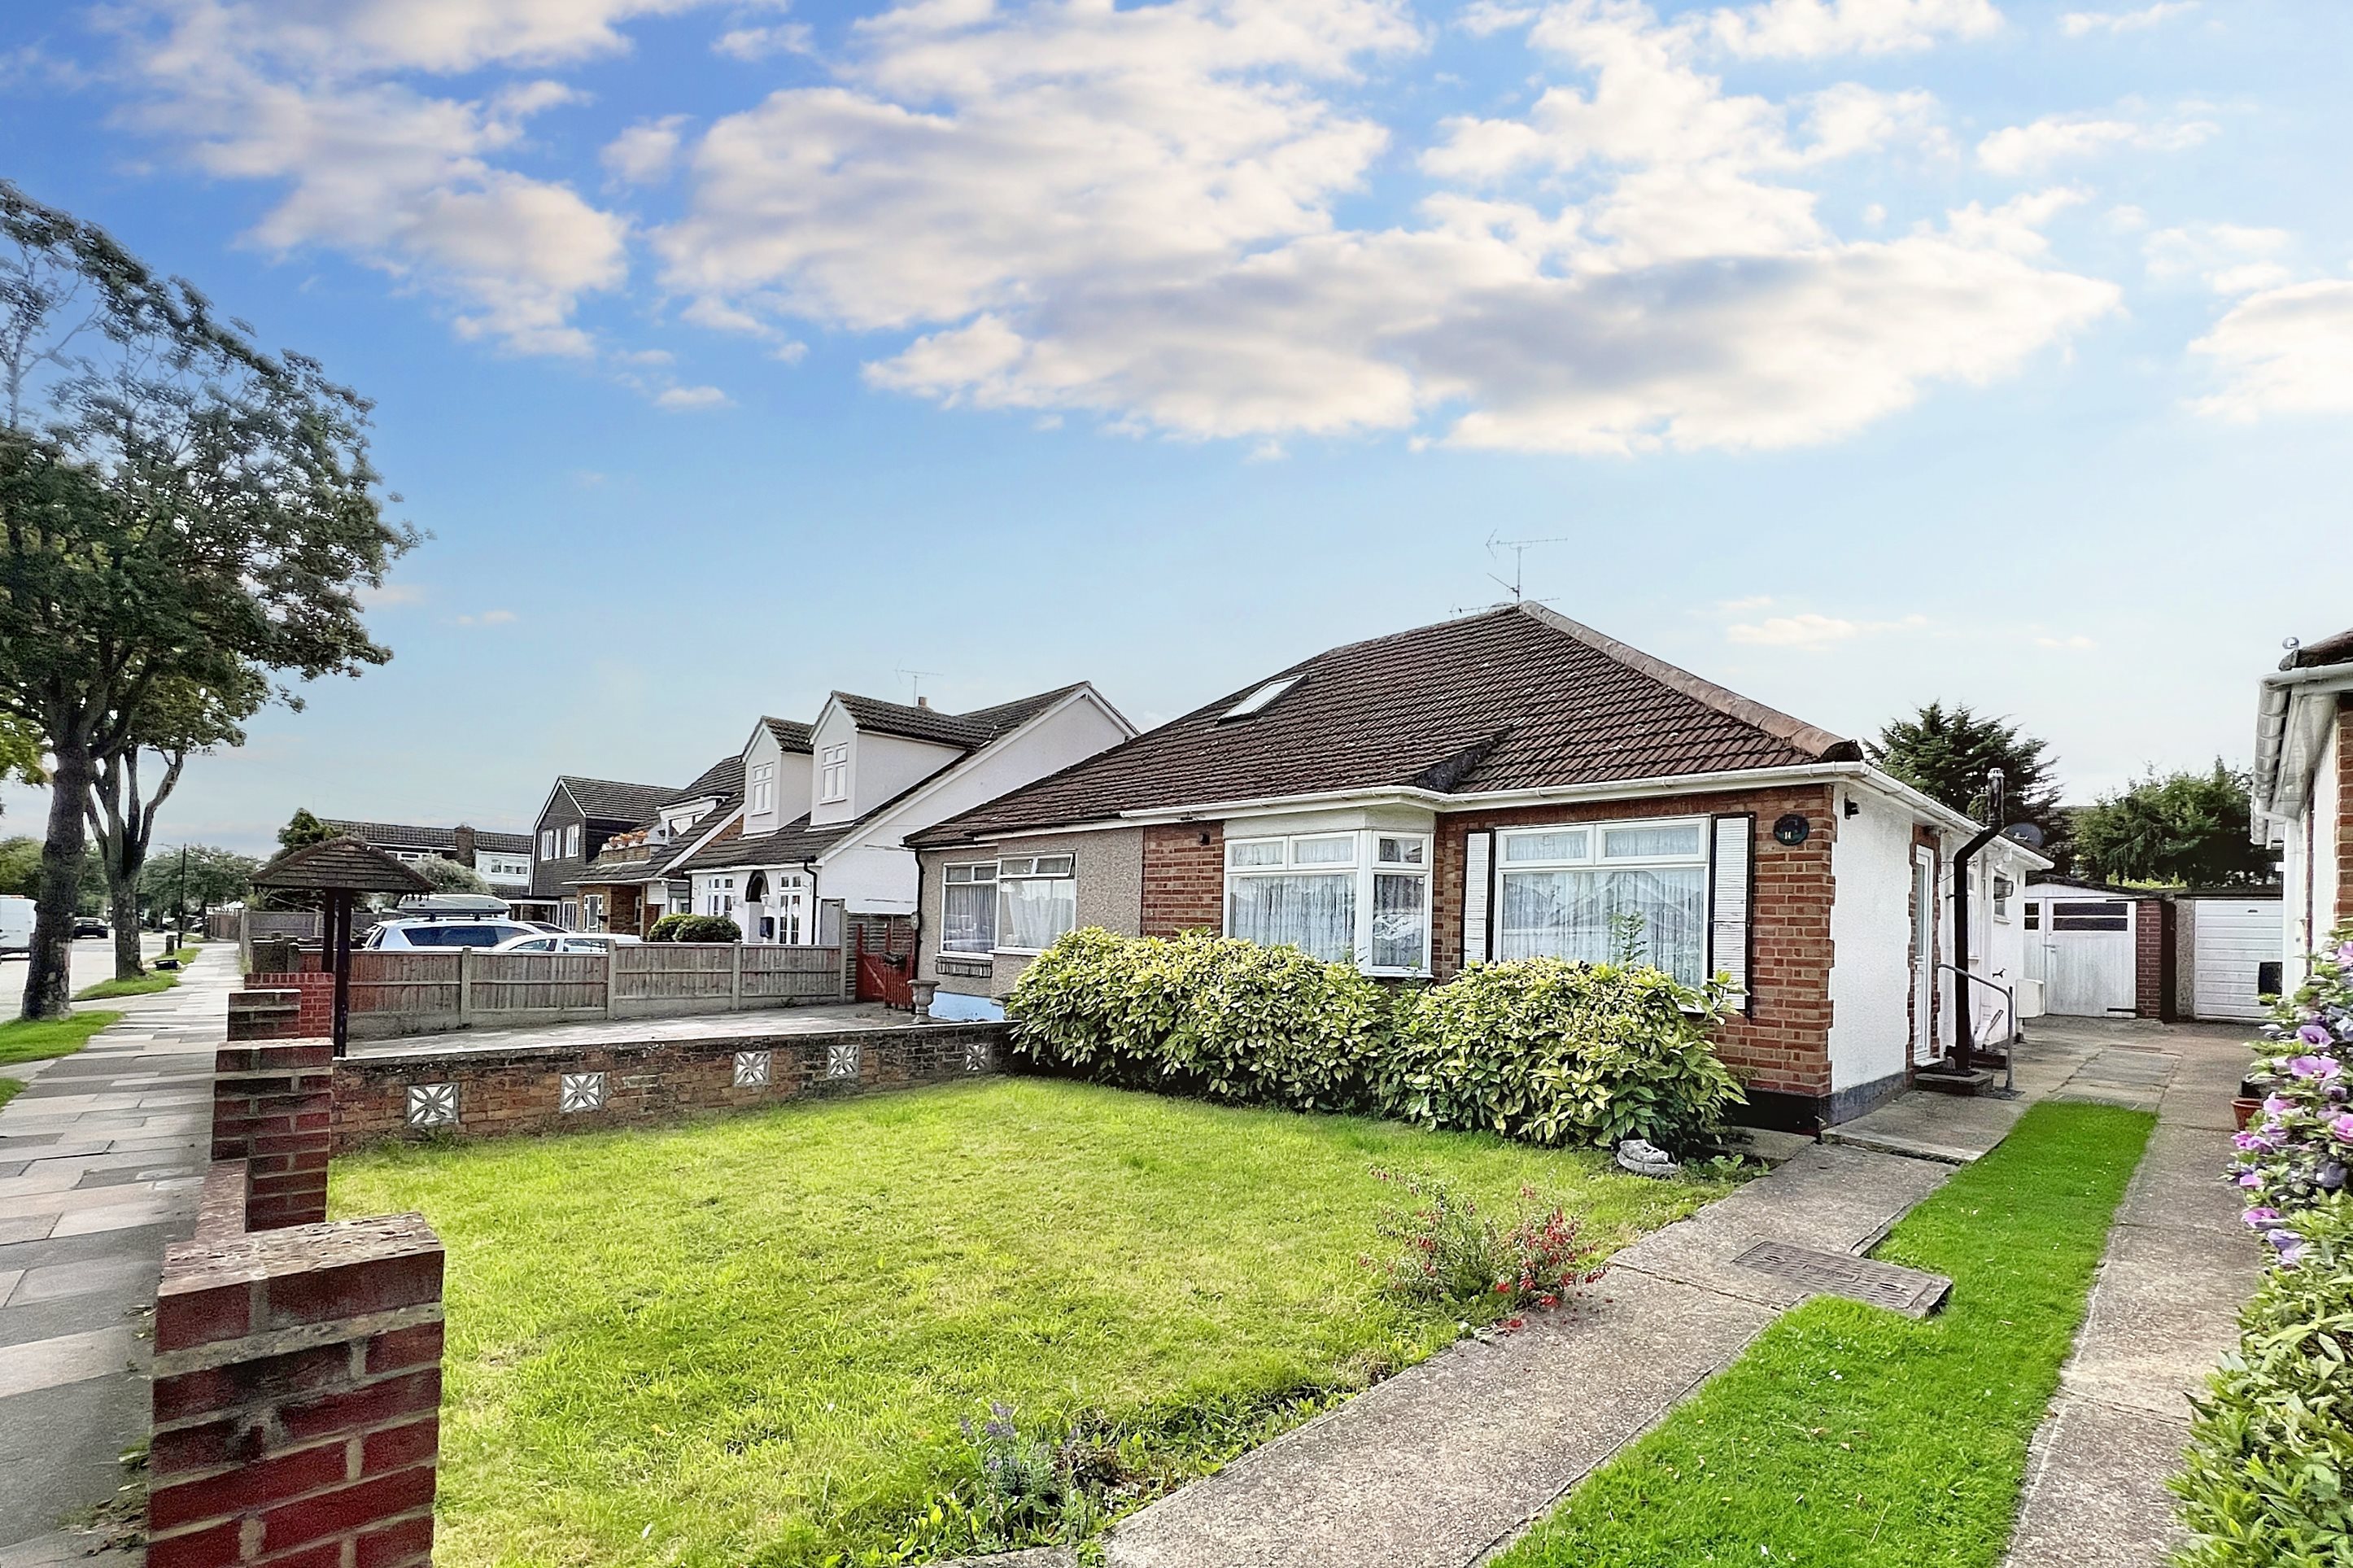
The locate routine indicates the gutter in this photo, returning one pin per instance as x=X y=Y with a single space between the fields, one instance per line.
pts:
x=2275 y=744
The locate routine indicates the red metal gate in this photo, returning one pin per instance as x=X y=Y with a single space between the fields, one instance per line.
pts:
x=884 y=947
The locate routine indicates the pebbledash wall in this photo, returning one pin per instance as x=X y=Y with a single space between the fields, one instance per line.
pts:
x=448 y=1092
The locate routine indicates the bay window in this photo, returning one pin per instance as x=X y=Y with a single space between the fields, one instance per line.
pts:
x=1348 y=897
x=969 y=909
x=1581 y=892
x=1037 y=901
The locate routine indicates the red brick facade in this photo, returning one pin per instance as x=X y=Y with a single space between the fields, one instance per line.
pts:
x=1184 y=878
x=1782 y=1044
x=2153 y=959
x=273 y=1110
x=2343 y=826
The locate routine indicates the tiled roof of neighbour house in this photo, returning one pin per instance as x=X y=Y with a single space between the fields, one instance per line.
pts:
x=723 y=781
x=609 y=800
x=343 y=864
x=1515 y=698
x=2336 y=649
x=970 y=731
x=409 y=836
x=795 y=844
x=791 y=734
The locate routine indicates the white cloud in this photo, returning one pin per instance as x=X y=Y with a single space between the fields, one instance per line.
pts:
x=690 y=397
x=488 y=617
x=2287 y=350
x=2079 y=23
x=750 y=44
x=645 y=151
x=1815 y=631
x=392 y=595
x=2229 y=257
x=2021 y=149
x=2076 y=639
x=1131 y=213
x=1810 y=29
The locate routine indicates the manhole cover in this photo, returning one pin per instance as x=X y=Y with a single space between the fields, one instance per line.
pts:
x=1905 y=1290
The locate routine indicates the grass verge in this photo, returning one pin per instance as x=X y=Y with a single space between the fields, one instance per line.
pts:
x=37 y=1040
x=145 y=985
x=1851 y=1436
x=753 y=1339
x=10 y=1088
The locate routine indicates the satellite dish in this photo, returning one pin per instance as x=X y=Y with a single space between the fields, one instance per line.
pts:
x=2026 y=833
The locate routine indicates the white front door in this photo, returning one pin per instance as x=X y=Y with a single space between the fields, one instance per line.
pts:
x=1923 y=954
x=2087 y=956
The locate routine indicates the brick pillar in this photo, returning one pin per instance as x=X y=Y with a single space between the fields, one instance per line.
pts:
x=297 y=1393
x=273 y=1107
x=2340 y=832
x=2153 y=959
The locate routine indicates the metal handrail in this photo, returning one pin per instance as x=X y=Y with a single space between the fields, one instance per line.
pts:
x=2010 y=1000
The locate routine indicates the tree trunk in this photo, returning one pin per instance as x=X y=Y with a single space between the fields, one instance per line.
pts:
x=122 y=903
x=48 y=978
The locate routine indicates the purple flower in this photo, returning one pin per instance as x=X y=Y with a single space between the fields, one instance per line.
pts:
x=2316 y=1034
x=2251 y=1178
x=2275 y=1106
x=2345 y=953
x=2280 y=1239
x=2253 y=1140
x=2259 y=1218
x=2330 y=1177
x=2341 y=1128
x=2290 y=1255
x=2313 y=1066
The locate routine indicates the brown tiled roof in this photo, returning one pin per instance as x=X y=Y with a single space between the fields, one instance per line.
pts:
x=1516 y=697
x=2336 y=649
x=723 y=781
x=343 y=864
x=410 y=835
x=609 y=800
x=792 y=844
x=791 y=734
x=969 y=731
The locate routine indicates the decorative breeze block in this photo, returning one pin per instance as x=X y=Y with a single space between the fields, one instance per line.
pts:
x=976 y=1055
x=841 y=1059
x=432 y=1104
x=752 y=1069
x=582 y=1092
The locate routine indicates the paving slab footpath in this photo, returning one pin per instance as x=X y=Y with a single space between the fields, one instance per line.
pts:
x=101 y=1158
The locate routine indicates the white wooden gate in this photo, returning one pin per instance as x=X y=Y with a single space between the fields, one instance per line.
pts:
x=2080 y=948
x=2235 y=955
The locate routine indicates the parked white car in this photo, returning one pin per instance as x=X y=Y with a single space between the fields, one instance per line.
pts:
x=16 y=927
x=568 y=942
x=399 y=936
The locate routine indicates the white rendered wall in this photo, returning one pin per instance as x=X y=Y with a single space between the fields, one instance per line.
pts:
x=1871 y=943
x=1072 y=733
x=2322 y=815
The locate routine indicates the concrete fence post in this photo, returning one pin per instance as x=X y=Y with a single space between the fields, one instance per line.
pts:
x=465 y=987
x=612 y=983
x=735 y=978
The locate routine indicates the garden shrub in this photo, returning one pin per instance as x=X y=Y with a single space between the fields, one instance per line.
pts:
x=1555 y=1052
x=1199 y=1013
x=701 y=928
x=666 y=928
x=2269 y=1476
x=1454 y=1256
x=2298 y=1154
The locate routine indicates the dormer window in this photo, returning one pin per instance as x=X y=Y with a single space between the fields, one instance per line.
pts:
x=1260 y=698
x=833 y=774
x=763 y=789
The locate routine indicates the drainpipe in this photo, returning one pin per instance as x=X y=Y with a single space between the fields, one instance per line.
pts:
x=1964 y=1033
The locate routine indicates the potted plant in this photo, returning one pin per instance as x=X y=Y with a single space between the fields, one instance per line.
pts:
x=2249 y=1104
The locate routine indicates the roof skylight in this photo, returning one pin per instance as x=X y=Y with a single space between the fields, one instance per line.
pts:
x=1261 y=697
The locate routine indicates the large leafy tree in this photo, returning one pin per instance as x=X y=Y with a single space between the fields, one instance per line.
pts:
x=195 y=877
x=1949 y=754
x=20 y=875
x=2182 y=829
x=179 y=512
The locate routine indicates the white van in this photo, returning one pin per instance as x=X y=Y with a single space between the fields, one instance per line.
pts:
x=16 y=927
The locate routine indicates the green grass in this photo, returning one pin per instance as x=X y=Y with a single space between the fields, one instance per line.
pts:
x=1851 y=1436
x=752 y=1339
x=145 y=985
x=10 y=1088
x=24 y=1041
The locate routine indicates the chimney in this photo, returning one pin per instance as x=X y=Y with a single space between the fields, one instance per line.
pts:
x=922 y=702
x=462 y=844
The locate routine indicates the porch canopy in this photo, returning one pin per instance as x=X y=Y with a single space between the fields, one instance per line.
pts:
x=339 y=868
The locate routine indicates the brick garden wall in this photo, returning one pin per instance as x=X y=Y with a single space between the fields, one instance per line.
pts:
x=2342 y=828
x=1782 y=1044
x=2153 y=927
x=1184 y=877
x=495 y=1094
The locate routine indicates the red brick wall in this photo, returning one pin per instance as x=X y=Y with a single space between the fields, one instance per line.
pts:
x=505 y=1092
x=1184 y=877
x=315 y=1019
x=2343 y=827
x=1783 y=1043
x=272 y=1110
x=2152 y=949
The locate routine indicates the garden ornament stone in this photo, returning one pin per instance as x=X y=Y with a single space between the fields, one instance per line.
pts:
x=1644 y=1157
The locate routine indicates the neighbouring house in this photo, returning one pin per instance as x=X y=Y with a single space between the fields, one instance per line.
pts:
x=811 y=847
x=503 y=860
x=2303 y=789
x=2095 y=950
x=630 y=882
x=1497 y=787
x=579 y=817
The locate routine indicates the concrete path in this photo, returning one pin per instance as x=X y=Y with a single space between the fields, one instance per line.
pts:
x=101 y=1159
x=2162 y=1314
x=1437 y=1466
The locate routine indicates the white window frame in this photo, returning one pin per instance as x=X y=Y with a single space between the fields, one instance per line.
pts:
x=833 y=773
x=967 y=874
x=572 y=841
x=1362 y=864
x=1594 y=859
x=546 y=845
x=1032 y=868
x=763 y=789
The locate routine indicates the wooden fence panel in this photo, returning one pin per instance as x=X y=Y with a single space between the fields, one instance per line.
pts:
x=399 y=981
x=537 y=983
x=674 y=971
x=801 y=974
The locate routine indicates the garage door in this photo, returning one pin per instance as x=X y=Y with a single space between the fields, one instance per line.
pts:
x=2235 y=954
x=2085 y=949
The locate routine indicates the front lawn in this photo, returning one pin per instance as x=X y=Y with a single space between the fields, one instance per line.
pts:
x=35 y=1040
x=1851 y=1436
x=753 y=1339
x=145 y=985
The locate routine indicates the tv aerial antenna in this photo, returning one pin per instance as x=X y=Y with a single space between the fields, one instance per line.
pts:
x=915 y=679
x=1516 y=583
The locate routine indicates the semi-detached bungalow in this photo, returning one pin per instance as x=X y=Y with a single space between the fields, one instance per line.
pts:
x=1504 y=786
x=2303 y=792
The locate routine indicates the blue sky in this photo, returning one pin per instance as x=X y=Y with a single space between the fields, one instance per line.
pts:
x=1848 y=352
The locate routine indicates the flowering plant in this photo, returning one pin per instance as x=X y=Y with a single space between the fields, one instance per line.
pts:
x=1454 y=1255
x=2299 y=1152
